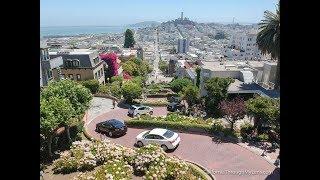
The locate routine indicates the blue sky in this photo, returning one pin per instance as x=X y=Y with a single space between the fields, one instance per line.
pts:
x=120 y=12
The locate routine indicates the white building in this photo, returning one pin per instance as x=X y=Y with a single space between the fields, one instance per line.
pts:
x=261 y=73
x=243 y=46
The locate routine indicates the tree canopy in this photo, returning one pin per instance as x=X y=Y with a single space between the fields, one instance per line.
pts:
x=178 y=84
x=129 y=39
x=131 y=90
x=78 y=95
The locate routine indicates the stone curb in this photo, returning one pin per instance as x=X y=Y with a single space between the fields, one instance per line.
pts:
x=203 y=168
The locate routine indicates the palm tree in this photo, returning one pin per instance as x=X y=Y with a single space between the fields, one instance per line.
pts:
x=268 y=39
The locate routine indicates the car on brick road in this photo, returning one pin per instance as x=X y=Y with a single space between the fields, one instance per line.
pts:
x=167 y=139
x=137 y=110
x=112 y=127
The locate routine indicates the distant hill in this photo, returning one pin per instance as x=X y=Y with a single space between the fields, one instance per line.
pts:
x=145 y=24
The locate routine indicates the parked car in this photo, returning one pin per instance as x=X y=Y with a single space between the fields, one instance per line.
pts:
x=174 y=107
x=167 y=139
x=137 y=110
x=175 y=99
x=112 y=127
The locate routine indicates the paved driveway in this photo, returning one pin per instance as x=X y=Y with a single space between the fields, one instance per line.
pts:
x=224 y=158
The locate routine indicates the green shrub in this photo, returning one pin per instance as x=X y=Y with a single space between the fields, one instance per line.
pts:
x=246 y=130
x=116 y=78
x=263 y=137
x=170 y=125
x=217 y=127
x=116 y=90
x=104 y=89
x=92 y=85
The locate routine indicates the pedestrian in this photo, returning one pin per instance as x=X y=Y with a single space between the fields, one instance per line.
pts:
x=41 y=175
x=114 y=104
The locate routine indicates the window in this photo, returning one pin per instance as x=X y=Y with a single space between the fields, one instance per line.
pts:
x=99 y=75
x=157 y=137
x=149 y=136
x=168 y=134
x=71 y=76
x=75 y=63
x=49 y=74
x=101 y=71
x=95 y=75
x=96 y=60
x=78 y=77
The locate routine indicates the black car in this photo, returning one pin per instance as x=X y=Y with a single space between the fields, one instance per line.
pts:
x=174 y=99
x=112 y=127
x=175 y=106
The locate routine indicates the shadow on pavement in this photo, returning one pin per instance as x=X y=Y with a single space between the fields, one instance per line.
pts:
x=275 y=175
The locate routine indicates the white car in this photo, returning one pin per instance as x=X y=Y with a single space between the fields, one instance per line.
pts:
x=165 y=138
x=136 y=110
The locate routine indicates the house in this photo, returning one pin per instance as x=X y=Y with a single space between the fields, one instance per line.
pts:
x=250 y=77
x=48 y=65
x=80 y=64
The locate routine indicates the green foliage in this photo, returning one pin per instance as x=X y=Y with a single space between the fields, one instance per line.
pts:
x=136 y=67
x=78 y=95
x=217 y=90
x=116 y=78
x=92 y=85
x=246 y=130
x=104 y=89
x=198 y=71
x=163 y=66
x=131 y=90
x=53 y=113
x=178 y=84
x=263 y=137
x=191 y=94
x=170 y=125
x=217 y=127
x=129 y=39
x=115 y=89
x=264 y=110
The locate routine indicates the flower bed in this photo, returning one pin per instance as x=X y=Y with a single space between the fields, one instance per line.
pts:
x=118 y=162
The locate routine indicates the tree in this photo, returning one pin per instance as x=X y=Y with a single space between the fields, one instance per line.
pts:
x=115 y=89
x=264 y=111
x=92 y=85
x=78 y=95
x=198 y=71
x=136 y=67
x=163 y=66
x=179 y=83
x=268 y=38
x=129 y=39
x=233 y=110
x=217 y=90
x=191 y=94
x=131 y=90
x=220 y=35
x=54 y=112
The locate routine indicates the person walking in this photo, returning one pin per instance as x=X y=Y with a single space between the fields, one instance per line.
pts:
x=114 y=104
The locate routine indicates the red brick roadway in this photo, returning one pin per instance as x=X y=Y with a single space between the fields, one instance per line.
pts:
x=224 y=160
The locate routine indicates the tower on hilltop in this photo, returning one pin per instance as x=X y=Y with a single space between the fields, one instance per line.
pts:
x=181 y=15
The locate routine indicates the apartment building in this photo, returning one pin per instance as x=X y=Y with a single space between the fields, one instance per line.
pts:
x=243 y=46
x=183 y=45
x=80 y=64
x=48 y=65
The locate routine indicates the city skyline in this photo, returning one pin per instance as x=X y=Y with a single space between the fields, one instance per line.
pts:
x=111 y=13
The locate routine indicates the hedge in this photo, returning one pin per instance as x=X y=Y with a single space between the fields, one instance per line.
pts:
x=182 y=126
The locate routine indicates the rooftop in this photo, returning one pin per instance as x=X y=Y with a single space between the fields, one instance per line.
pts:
x=72 y=51
x=240 y=87
x=231 y=65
